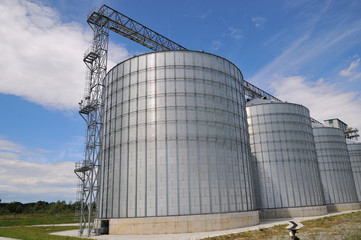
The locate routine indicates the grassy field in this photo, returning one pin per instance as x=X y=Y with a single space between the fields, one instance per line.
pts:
x=16 y=226
x=22 y=219
x=345 y=227
x=34 y=233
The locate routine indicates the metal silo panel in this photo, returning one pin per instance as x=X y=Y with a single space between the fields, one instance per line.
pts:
x=284 y=156
x=174 y=138
x=354 y=150
x=335 y=165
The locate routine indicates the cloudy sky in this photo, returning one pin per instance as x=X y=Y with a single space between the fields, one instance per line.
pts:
x=306 y=52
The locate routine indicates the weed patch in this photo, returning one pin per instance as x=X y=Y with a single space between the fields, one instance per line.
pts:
x=345 y=226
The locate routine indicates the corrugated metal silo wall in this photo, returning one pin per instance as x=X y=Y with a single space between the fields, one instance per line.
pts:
x=354 y=150
x=335 y=166
x=175 y=138
x=284 y=156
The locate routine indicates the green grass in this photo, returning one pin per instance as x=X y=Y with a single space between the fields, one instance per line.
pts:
x=345 y=226
x=34 y=233
x=23 y=220
x=16 y=226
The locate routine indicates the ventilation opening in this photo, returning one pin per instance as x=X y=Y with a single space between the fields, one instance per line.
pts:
x=104 y=227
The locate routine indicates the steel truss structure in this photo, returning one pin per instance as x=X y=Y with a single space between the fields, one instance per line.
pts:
x=133 y=30
x=95 y=58
x=352 y=133
x=251 y=91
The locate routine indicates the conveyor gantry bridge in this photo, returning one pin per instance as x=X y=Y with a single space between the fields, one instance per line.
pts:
x=95 y=58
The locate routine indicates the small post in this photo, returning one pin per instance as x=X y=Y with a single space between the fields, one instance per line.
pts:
x=292 y=228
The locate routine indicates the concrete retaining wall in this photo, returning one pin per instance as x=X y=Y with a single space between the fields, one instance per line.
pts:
x=293 y=212
x=182 y=224
x=343 y=207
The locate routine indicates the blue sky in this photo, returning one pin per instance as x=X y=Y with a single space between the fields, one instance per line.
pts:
x=306 y=52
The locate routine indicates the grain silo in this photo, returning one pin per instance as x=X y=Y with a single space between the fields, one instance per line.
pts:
x=284 y=160
x=354 y=150
x=175 y=154
x=335 y=169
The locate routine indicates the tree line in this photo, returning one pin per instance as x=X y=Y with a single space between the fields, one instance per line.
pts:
x=40 y=207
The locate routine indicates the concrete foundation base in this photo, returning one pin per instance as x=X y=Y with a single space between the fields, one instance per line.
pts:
x=182 y=224
x=343 y=207
x=293 y=212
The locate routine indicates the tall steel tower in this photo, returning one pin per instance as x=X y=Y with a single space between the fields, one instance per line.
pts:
x=95 y=59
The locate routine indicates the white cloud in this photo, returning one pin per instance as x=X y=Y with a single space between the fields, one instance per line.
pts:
x=355 y=77
x=216 y=45
x=8 y=146
x=41 y=57
x=348 y=71
x=235 y=33
x=258 y=21
x=205 y=15
x=323 y=100
x=116 y=54
x=352 y=71
x=73 y=149
x=45 y=151
x=310 y=43
x=21 y=180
